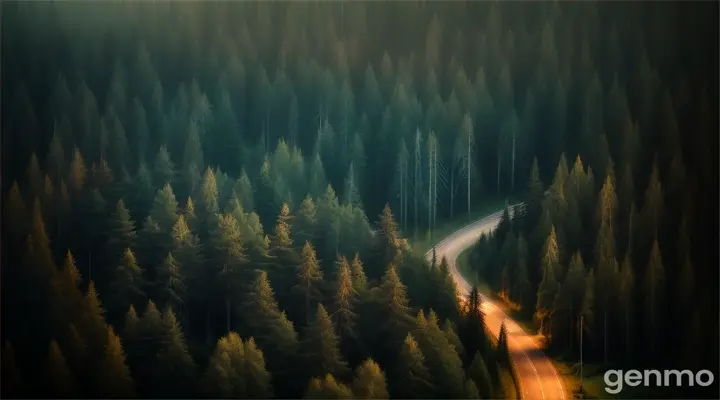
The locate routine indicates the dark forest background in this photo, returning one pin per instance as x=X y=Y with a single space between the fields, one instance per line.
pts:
x=194 y=194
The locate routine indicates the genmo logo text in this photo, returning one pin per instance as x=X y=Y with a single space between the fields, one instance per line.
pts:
x=616 y=379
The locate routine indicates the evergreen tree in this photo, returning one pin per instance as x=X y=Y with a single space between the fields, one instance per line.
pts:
x=625 y=300
x=654 y=284
x=344 y=302
x=412 y=378
x=327 y=388
x=587 y=314
x=472 y=327
x=257 y=377
x=126 y=288
x=114 y=379
x=305 y=223
x=175 y=369
x=369 y=382
x=358 y=275
x=480 y=374
x=163 y=168
x=567 y=305
x=225 y=374
x=274 y=333
x=502 y=355
x=78 y=171
x=453 y=338
x=170 y=284
x=165 y=208
x=309 y=278
x=549 y=285
x=387 y=239
x=228 y=253
x=321 y=344
x=470 y=391
x=443 y=361
x=58 y=377
x=121 y=233
x=281 y=239
x=447 y=297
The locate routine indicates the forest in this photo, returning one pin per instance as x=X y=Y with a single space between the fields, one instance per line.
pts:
x=219 y=200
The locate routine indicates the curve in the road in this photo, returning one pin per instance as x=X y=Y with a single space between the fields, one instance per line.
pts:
x=537 y=376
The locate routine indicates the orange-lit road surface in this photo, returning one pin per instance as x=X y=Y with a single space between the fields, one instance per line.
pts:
x=538 y=377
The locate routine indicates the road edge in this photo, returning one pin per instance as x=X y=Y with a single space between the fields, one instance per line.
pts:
x=489 y=301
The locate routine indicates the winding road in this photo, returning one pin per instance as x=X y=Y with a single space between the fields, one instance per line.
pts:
x=537 y=375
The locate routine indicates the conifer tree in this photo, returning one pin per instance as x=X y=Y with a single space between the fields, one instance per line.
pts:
x=55 y=158
x=309 y=278
x=480 y=374
x=447 y=297
x=358 y=275
x=58 y=377
x=244 y=190
x=470 y=391
x=625 y=299
x=114 y=379
x=92 y=324
x=502 y=355
x=322 y=346
x=68 y=286
x=126 y=288
x=257 y=377
x=369 y=382
x=387 y=238
x=443 y=361
x=588 y=307
x=653 y=284
x=344 y=302
x=165 y=208
x=15 y=221
x=121 y=233
x=188 y=213
x=568 y=302
x=305 y=223
x=412 y=378
x=393 y=297
x=274 y=333
x=522 y=290
x=227 y=246
x=327 y=388
x=34 y=176
x=170 y=284
x=150 y=331
x=282 y=238
x=536 y=192
x=472 y=327
x=549 y=285
x=224 y=377
x=174 y=368
x=453 y=338
x=130 y=336
x=163 y=167
x=78 y=171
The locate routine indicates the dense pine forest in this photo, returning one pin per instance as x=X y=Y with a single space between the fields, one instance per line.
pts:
x=622 y=231
x=214 y=200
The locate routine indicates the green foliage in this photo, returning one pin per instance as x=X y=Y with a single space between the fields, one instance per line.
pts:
x=233 y=119
x=369 y=382
x=321 y=344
